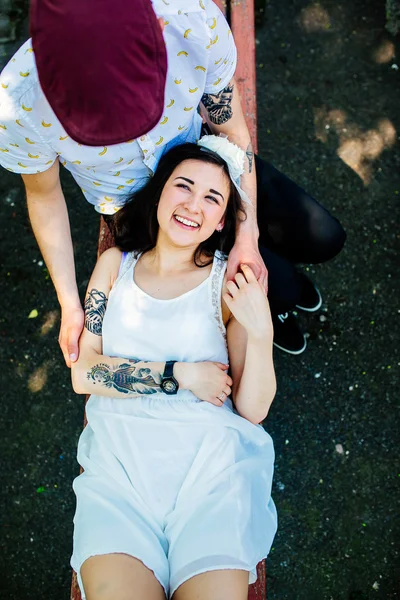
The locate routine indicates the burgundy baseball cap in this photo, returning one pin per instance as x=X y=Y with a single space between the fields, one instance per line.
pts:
x=102 y=65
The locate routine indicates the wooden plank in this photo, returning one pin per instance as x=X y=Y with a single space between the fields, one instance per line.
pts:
x=221 y=5
x=75 y=591
x=243 y=28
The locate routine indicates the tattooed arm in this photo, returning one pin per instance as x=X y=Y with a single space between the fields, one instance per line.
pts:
x=105 y=375
x=224 y=114
x=117 y=377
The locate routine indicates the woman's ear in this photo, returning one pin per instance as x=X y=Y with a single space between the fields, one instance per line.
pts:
x=220 y=225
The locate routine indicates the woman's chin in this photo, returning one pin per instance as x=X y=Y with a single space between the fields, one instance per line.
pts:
x=184 y=238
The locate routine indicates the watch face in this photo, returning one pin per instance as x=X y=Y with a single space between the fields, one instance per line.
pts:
x=169 y=386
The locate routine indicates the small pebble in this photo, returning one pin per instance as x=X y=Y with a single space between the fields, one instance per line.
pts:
x=339 y=448
x=40 y=263
x=395 y=67
x=317 y=375
x=375 y=586
x=322 y=318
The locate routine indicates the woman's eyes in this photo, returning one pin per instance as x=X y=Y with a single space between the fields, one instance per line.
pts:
x=186 y=187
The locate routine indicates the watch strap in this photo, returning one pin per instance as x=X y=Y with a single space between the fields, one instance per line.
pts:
x=169 y=369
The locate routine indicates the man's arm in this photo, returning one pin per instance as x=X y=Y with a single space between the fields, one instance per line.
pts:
x=50 y=223
x=224 y=114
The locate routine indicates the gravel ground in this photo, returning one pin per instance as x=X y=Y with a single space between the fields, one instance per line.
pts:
x=328 y=117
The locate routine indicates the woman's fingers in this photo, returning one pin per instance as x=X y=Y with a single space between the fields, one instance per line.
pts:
x=232 y=288
x=240 y=280
x=221 y=366
x=216 y=401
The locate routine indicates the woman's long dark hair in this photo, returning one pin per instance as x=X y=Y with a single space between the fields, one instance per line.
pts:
x=136 y=224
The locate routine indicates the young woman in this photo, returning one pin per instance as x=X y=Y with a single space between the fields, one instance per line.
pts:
x=174 y=500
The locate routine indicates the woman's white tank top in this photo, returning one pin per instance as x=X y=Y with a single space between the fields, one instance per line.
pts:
x=188 y=328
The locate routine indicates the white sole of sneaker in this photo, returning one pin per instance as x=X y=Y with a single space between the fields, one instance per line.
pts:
x=316 y=307
x=292 y=351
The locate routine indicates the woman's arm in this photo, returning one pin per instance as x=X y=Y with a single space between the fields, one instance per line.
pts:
x=250 y=337
x=94 y=373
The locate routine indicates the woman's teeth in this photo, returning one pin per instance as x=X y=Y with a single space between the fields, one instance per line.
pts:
x=186 y=221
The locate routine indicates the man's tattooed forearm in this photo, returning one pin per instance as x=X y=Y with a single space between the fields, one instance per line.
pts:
x=95 y=308
x=250 y=156
x=219 y=105
x=126 y=378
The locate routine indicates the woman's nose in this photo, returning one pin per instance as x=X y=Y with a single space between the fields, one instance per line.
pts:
x=192 y=204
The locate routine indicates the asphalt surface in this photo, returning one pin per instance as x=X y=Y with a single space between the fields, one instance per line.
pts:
x=328 y=90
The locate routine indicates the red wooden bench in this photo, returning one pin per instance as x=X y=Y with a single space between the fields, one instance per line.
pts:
x=241 y=14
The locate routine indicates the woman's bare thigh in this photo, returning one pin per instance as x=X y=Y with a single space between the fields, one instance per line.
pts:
x=119 y=577
x=226 y=584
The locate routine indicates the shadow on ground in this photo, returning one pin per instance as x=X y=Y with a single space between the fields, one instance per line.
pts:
x=328 y=117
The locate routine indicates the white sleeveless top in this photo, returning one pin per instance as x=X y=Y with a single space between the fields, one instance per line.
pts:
x=188 y=328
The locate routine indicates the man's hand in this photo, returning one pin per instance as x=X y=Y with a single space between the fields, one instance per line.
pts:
x=72 y=320
x=246 y=252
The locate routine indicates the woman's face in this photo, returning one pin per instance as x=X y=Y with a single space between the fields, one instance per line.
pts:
x=193 y=202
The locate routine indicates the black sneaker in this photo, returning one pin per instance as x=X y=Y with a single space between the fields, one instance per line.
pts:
x=287 y=334
x=310 y=299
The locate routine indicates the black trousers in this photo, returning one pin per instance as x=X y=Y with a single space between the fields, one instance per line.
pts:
x=294 y=228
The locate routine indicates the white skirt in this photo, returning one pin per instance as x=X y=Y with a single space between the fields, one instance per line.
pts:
x=183 y=486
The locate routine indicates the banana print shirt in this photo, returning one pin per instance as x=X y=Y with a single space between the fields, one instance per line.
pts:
x=201 y=59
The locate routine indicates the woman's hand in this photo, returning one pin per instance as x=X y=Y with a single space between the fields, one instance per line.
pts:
x=247 y=301
x=208 y=381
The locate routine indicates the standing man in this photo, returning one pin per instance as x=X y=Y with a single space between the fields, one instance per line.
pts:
x=105 y=88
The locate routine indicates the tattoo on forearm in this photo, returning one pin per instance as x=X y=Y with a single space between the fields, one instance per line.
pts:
x=219 y=105
x=126 y=378
x=95 y=308
x=250 y=156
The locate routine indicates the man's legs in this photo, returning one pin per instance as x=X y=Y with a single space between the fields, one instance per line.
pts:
x=284 y=293
x=294 y=228
x=292 y=224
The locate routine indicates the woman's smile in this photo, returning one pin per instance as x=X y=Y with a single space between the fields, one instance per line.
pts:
x=186 y=223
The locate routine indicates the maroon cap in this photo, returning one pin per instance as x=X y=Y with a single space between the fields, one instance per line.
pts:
x=102 y=66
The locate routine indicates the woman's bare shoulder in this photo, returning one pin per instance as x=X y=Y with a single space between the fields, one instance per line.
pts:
x=110 y=258
x=110 y=261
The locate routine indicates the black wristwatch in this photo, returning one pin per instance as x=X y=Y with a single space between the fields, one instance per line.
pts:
x=169 y=384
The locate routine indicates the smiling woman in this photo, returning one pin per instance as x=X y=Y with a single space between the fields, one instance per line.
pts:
x=177 y=472
x=190 y=191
